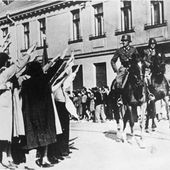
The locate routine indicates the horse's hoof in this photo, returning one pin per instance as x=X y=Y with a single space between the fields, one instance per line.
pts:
x=153 y=129
x=118 y=137
x=118 y=127
x=132 y=141
x=153 y=126
x=124 y=139
x=147 y=130
x=142 y=144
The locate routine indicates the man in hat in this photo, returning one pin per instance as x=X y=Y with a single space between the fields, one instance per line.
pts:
x=125 y=54
x=150 y=54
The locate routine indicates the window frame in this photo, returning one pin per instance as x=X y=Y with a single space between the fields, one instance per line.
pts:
x=42 y=30
x=126 y=25
x=5 y=31
x=26 y=35
x=76 y=27
x=98 y=22
x=160 y=20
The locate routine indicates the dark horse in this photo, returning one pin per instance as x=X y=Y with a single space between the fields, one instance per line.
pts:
x=159 y=88
x=133 y=96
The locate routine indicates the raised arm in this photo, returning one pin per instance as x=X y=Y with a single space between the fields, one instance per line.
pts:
x=17 y=66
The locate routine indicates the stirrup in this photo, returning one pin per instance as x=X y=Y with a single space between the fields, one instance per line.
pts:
x=119 y=102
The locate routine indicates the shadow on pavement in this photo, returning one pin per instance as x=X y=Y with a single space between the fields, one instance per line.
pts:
x=71 y=144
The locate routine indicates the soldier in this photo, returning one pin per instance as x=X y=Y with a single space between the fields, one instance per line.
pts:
x=125 y=54
x=150 y=55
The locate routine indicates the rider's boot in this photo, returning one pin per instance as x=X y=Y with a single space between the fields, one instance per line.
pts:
x=119 y=102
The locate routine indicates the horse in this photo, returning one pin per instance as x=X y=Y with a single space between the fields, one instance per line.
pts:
x=159 y=89
x=133 y=98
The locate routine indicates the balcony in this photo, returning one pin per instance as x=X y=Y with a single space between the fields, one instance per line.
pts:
x=93 y=37
x=126 y=31
x=155 y=25
x=79 y=39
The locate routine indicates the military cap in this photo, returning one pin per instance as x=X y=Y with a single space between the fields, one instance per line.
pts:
x=152 y=41
x=126 y=38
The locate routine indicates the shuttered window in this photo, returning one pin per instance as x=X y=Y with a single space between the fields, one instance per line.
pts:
x=78 y=81
x=101 y=78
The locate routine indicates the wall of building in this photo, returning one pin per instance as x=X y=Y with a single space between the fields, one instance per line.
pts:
x=58 y=32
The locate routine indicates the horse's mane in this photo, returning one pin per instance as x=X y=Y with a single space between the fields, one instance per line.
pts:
x=158 y=65
x=159 y=83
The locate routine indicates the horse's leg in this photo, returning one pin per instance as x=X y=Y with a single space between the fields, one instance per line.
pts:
x=117 y=117
x=153 y=114
x=166 y=99
x=131 y=122
x=142 y=110
x=125 y=119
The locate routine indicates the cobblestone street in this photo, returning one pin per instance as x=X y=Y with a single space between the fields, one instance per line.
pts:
x=94 y=147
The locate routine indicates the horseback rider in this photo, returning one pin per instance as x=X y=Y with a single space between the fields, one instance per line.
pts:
x=152 y=57
x=126 y=53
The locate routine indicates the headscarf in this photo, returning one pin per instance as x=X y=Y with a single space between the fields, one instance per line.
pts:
x=3 y=59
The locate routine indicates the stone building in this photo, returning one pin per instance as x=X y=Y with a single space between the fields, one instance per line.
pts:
x=92 y=29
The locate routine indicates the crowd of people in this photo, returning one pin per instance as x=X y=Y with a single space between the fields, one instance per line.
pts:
x=34 y=116
x=93 y=104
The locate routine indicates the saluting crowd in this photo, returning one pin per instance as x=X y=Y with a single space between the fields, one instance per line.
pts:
x=34 y=114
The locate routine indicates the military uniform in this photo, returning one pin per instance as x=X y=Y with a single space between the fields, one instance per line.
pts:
x=125 y=54
x=151 y=56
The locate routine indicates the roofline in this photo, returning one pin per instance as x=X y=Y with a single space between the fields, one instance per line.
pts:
x=36 y=9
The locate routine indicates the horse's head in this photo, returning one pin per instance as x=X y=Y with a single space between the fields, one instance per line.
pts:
x=135 y=84
x=136 y=72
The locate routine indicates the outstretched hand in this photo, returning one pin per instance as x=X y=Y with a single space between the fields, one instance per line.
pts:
x=32 y=49
x=6 y=46
x=64 y=53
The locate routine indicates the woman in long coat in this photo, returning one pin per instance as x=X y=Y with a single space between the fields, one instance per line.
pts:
x=38 y=112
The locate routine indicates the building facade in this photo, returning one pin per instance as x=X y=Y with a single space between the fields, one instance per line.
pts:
x=92 y=29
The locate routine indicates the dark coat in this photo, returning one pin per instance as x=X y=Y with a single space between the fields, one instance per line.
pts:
x=37 y=109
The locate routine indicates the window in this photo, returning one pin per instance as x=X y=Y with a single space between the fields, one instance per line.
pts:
x=157 y=15
x=42 y=26
x=4 y=32
x=76 y=34
x=98 y=16
x=26 y=35
x=101 y=79
x=126 y=16
x=76 y=25
x=7 y=2
x=78 y=81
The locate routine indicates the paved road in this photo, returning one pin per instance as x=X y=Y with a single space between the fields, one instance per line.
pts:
x=95 y=148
